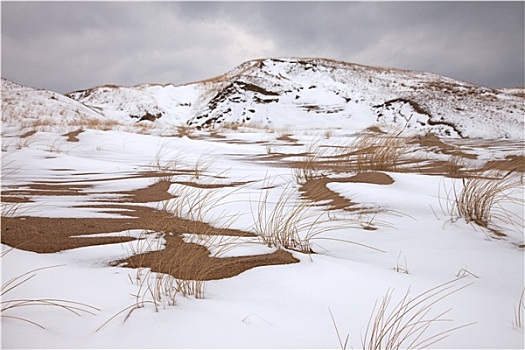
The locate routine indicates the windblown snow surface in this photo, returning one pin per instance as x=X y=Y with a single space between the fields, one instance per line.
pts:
x=249 y=127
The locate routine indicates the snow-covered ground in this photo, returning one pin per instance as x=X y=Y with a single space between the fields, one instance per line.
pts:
x=229 y=151
x=418 y=245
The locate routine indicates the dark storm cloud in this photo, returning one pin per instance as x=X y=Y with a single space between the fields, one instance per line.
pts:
x=75 y=45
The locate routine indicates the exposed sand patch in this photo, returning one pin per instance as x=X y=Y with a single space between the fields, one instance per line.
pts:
x=432 y=141
x=40 y=189
x=212 y=186
x=51 y=235
x=193 y=262
x=28 y=134
x=153 y=193
x=287 y=138
x=277 y=156
x=316 y=190
x=511 y=163
x=72 y=136
x=14 y=199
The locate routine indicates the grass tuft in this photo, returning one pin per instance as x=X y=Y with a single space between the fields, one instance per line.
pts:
x=483 y=199
x=374 y=152
x=290 y=223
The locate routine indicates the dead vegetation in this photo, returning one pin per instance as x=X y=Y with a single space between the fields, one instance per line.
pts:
x=484 y=198
x=406 y=323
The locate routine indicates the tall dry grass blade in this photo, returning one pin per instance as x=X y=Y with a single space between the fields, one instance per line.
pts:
x=24 y=320
x=131 y=308
x=341 y=344
x=406 y=324
x=519 y=310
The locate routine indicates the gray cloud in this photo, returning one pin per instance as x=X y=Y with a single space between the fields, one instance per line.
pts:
x=66 y=46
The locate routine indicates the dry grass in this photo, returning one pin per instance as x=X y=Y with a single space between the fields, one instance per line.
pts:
x=406 y=324
x=56 y=146
x=202 y=165
x=181 y=268
x=290 y=223
x=368 y=152
x=40 y=124
x=165 y=163
x=519 y=310
x=372 y=152
x=161 y=289
x=196 y=203
x=9 y=304
x=481 y=200
x=342 y=344
x=93 y=123
x=43 y=124
x=455 y=166
x=309 y=167
x=400 y=267
x=185 y=131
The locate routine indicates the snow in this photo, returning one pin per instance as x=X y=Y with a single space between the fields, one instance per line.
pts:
x=274 y=306
x=416 y=245
x=298 y=94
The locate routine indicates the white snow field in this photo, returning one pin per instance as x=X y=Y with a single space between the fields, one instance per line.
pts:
x=456 y=281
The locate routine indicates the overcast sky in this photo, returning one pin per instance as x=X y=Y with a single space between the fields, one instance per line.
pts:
x=66 y=46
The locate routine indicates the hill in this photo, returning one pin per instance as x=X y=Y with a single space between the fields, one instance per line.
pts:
x=301 y=94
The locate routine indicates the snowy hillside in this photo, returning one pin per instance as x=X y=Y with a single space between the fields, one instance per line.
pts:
x=317 y=94
x=33 y=108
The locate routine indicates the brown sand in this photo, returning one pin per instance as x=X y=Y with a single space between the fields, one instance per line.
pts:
x=316 y=190
x=511 y=163
x=193 y=262
x=432 y=141
x=72 y=136
x=28 y=134
x=183 y=260
x=287 y=138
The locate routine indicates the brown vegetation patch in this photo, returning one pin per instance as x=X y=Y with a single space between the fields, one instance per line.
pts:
x=435 y=167
x=216 y=135
x=375 y=178
x=316 y=191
